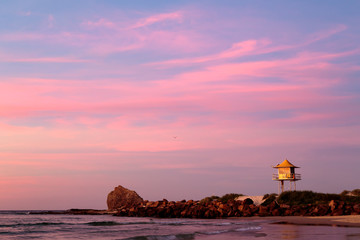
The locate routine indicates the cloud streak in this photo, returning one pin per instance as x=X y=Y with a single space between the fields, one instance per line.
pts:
x=148 y=21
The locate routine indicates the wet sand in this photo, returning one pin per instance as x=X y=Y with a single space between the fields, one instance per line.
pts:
x=341 y=221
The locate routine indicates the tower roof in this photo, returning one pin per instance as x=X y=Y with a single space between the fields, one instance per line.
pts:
x=285 y=164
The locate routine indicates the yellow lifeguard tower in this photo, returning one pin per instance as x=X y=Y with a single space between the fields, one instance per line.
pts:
x=286 y=172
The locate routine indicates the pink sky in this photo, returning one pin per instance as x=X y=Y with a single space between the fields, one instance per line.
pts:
x=175 y=100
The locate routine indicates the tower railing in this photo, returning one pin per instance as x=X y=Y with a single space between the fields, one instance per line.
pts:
x=286 y=176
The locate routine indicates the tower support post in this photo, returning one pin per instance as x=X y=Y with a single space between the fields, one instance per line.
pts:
x=279 y=188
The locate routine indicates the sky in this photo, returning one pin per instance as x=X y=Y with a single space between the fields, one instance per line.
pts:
x=175 y=99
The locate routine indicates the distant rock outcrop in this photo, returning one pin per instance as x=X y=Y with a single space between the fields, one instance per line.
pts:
x=122 y=197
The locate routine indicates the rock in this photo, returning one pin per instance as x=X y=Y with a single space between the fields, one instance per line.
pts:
x=321 y=210
x=122 y=197
x=284 y=206
x=273 y=206
x=356 y=208
x=348 y=209
x=263 y=211
x=275 y=212
x=288 y=212
x=333 y=205
x=248 y=201
x=337 y=212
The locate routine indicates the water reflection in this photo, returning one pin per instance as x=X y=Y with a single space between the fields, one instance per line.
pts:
x=305 y=232
x=290 y=232
x=353 y=236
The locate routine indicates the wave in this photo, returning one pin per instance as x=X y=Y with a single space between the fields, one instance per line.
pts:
x=251 y=228
x=14 y=212
x=164 y=237
x=191 y=236
x=215 y=232
x=113 y=223
x=31 y=224
x=243 y=229
x=103 y=223
x=170 y=223
x=199 y=222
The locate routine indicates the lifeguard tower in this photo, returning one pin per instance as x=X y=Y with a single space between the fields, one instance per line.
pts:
x=286 y=172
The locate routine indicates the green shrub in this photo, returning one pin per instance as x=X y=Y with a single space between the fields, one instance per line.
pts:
x=269 y=198
x=355 y=192
x=223 y=199
x=229 y=196
x=350 y=196
x=344 y=193
x=209 y=199
x=306 y=197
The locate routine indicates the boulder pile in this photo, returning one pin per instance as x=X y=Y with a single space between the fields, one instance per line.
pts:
x=246 y=208
x=124 y=202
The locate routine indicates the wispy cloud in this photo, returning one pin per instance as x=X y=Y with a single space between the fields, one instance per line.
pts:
x=51 y=21
x=238 y=49
x=106 y=36
x=250 y=48
x=326 y=33
x=173 y=16
x=102 y=22
x=45 y=60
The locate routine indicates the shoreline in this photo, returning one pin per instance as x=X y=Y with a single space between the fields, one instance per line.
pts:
x=334 y=221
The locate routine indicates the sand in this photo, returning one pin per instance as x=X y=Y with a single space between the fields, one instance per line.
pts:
x=341 y=221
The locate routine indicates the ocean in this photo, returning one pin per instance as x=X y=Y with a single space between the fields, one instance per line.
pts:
x=22 y=225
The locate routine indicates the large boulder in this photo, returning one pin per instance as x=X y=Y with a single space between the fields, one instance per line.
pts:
x=122 y=197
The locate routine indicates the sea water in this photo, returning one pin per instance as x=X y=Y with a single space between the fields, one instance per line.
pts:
x=22 y=225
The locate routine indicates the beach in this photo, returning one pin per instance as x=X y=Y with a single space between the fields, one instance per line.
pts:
x=339 y=221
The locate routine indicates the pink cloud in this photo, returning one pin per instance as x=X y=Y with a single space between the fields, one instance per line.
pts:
x=22 y=36
x=45 y=60
x=326 y=34
x=25 y=13
x=238 y=49
x=105 y=36
x=167 y=165
x=252 y=47
x=51 y=21
x=142 y=81
x=112 y=47
x=11 y=181
x=198 y=101
x=157 y=18
x=162 y=96
x=27 y=192
x=102 y=22
x=316 y=64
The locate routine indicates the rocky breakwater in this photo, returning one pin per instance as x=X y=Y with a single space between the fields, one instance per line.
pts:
x=129 y=204
x=190 y=209
x=246 y=208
